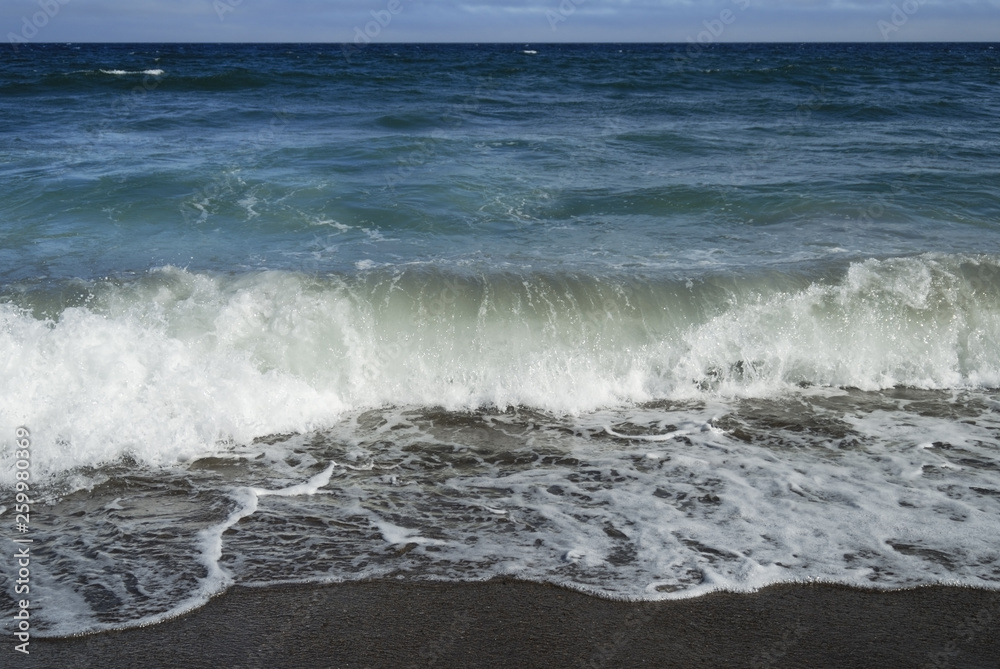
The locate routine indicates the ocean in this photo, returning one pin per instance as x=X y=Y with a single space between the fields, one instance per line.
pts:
x=642 y=320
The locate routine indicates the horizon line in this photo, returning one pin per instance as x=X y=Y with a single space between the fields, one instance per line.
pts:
x=528 y=43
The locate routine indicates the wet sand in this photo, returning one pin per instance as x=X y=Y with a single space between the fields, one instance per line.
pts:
x=517 y=624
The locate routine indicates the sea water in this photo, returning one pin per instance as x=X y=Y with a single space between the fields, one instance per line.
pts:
x=638 y=320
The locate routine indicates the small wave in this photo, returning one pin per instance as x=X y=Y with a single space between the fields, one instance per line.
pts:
x=119 y=73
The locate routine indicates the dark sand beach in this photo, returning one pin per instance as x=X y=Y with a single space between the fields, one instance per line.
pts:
x=518 y=624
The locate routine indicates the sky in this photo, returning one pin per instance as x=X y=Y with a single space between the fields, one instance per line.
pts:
x=525 y=21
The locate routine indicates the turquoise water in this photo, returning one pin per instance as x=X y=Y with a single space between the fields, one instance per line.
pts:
x=620 y=317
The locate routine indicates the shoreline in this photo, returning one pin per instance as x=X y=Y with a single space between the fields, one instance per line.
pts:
x=506 y=622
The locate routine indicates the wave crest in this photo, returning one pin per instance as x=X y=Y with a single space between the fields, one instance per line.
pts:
x=165 y=367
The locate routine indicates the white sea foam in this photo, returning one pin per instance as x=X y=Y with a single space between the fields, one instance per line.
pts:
x=874 y=509
x=167 y=368
x=879 y=498
x=74 y=614
x=156 y=72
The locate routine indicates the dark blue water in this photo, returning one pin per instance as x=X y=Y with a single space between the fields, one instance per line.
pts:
x=623 y=317
x=249 y=157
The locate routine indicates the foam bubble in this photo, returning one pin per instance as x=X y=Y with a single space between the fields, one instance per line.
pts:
x=178 y=364
x=153 y=72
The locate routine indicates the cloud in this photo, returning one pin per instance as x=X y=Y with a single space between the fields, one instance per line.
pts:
x=506 y=20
